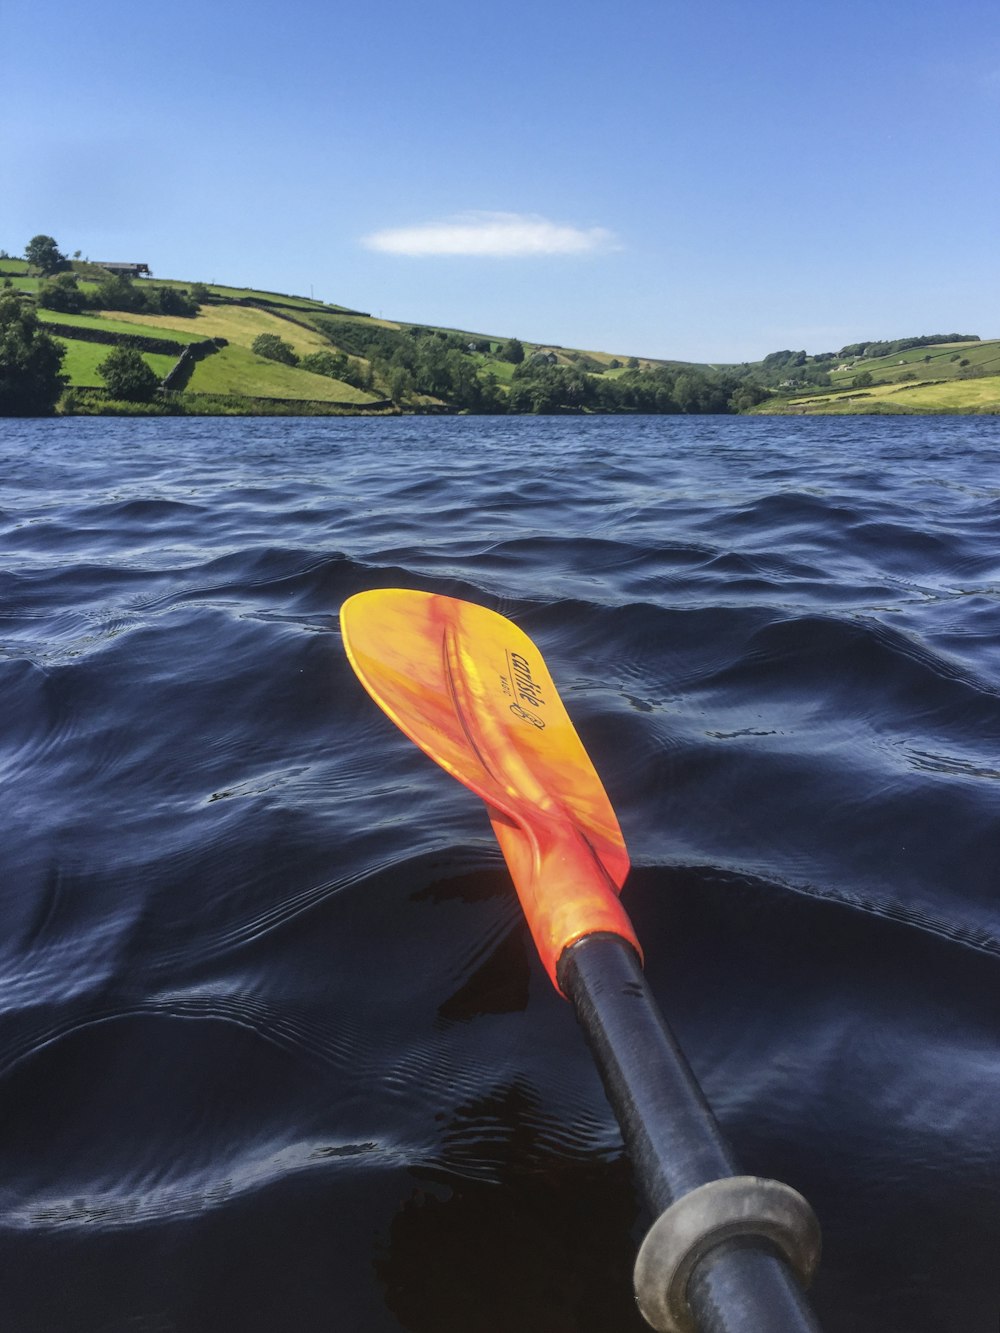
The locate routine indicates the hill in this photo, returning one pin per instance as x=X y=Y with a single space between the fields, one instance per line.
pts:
x=945 y=375
x=220 y=349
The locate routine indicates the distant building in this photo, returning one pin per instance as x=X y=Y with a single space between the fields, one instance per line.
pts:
x=125 y=270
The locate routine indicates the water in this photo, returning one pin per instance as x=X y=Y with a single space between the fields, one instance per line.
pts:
x=275 y=1052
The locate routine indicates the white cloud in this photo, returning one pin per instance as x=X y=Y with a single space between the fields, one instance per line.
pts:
x=490 y=236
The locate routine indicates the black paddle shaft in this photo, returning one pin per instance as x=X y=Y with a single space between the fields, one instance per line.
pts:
x=738 y=1282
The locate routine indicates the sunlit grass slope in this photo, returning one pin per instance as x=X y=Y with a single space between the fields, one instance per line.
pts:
x=955 y=395
x=237 y=324
x=236 y=370
x=121 y=322
x=939 y=361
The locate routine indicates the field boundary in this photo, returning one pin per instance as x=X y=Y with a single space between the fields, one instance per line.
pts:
x=180 y=373
x=85 y=334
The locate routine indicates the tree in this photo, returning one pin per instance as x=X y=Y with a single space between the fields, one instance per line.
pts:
x=864 y=380
x=275 y=349
x=512 y=350
x=400 y=384
x=127 y=375
x=687 y=391
x=43 y=253
x=30 y=362
x=332 y=364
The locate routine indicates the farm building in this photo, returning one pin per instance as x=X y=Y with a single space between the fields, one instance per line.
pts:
x=125 y=270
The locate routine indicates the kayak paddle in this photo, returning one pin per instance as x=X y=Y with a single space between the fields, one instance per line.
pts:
x=727 y=1253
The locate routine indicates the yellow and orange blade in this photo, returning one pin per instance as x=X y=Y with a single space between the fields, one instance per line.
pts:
x=473 y=691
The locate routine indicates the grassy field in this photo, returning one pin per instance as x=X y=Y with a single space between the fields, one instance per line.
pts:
x=939 y=361
x=119 y=322
x=82 y=359
x=237 y=324
x=236 y=370
x=24 y=284
x=980 y=395
x=503 y=370
x=942 y=377
x=346 y=317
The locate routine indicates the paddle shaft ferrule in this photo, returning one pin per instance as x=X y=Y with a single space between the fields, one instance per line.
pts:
x=715 y=1259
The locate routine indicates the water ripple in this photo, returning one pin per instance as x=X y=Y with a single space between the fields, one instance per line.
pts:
x=275 y=1050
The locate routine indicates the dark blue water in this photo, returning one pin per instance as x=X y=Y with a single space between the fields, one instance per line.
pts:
x=275 y=1052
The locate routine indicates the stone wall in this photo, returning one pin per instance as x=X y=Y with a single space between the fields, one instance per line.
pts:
x=179 y=374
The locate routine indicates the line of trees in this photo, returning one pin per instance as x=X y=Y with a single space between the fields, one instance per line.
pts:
x=63 y=293
x=333 y=364
x=892 y=346
x=436 y=363
x=542 y=388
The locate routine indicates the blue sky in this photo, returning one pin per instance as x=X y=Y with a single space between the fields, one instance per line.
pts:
x=709 y=182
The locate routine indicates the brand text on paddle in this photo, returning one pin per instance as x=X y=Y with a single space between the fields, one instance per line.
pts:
x=526 y=691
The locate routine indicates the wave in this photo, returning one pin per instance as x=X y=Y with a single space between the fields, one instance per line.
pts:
x=264 y=989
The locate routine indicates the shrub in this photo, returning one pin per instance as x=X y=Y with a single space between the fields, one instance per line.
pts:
x=62 y=293
x=168 y=301
x=275 y=349
x=116 y=292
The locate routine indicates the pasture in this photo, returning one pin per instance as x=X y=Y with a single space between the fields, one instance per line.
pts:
x=236 y=370
x=82 y=359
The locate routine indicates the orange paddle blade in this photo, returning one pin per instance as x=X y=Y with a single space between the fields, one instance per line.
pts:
x=473 y=691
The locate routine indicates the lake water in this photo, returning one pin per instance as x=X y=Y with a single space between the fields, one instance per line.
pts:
x=275 y=1052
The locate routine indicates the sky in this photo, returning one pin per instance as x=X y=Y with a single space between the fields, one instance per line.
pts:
x=695 y=181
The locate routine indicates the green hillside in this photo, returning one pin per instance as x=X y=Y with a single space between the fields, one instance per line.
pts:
x=946 y=376
x=218 y=348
